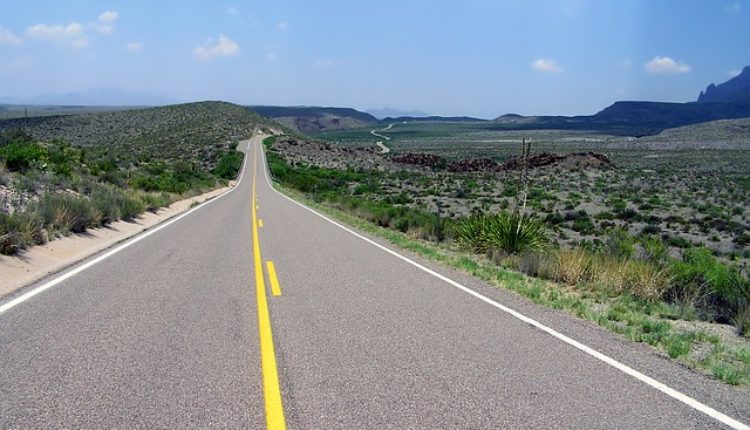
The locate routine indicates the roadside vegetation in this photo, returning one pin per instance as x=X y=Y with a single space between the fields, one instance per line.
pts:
x=679 y=299
x=50 y=187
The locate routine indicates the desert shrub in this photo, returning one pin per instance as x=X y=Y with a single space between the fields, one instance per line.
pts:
x=108 y=203
x=645 y=280
x=154 y=201
x=720 y=290
x=228 y=166
x=678 y=242
x=607 y=273
x=741 y=320
x=130 y=206
x=512 y=233
x=619 y=244
x=583 y=226
x=19 y=230
x=64 y=213
x=20 y=155
x=655 y=251
x=538 y=264
x=554 y=218
x=573 y=266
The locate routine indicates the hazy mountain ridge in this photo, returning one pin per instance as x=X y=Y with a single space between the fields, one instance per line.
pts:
x=725 y=101
x=387 y=112
x=735 y=90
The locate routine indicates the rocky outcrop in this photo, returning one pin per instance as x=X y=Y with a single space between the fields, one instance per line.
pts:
x=417 y=159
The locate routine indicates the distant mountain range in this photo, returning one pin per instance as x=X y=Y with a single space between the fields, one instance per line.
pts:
x=433 y=119
x=735 y=90
x=394 y=113
x=724 y=101
x=727 y=100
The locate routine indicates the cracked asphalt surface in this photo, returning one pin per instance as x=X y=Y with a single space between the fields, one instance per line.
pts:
x=164 y=334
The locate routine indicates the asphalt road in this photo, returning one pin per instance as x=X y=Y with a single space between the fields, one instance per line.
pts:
x=172 y=332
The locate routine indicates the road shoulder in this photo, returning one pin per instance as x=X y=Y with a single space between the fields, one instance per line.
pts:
x=38 y=262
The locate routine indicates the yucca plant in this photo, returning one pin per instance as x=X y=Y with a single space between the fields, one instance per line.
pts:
x=511 y=233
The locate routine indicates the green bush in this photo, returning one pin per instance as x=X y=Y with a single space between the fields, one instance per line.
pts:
x=229 y=165
x=720 y=290
x=19 y=155
x=509 y=232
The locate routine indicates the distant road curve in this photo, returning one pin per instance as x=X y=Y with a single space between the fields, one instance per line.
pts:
x=383 y=149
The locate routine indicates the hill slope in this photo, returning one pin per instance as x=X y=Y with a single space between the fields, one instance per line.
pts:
x=193 y=132
x=312 y=119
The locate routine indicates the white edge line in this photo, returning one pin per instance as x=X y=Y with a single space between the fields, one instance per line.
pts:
x=69 y=274
x=671 y=392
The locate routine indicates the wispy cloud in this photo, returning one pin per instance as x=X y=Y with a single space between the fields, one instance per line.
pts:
x=211 y=48
x=232 y=10
x=666 y=65
x=105 y=23
x=71 y=34
x=283 y=25
x=134 y=47
x=734 y=72
x=546 y=65
x=8 y=38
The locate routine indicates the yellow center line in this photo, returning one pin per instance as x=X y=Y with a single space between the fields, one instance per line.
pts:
x=260 y=223
x=271 y=391
x=275 y=288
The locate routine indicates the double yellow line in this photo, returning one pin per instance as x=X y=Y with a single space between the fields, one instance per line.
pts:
x=271 y=391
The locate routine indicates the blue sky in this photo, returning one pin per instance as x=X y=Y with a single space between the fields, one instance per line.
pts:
x=481 y=58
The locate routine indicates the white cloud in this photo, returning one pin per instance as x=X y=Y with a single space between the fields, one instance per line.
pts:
x=105 y=23
x=224 y=47
x=734 y=72
x=55 y=32
x=666 y=65
x=108 y=16
x=283 y=25
x=321 y=64
x=546 y=65
x=232 y=10
x=8 y=38
x=134 y=47
x=620 y=92
x=71 y=34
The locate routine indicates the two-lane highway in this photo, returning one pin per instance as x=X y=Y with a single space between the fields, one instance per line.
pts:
x=192 y=327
